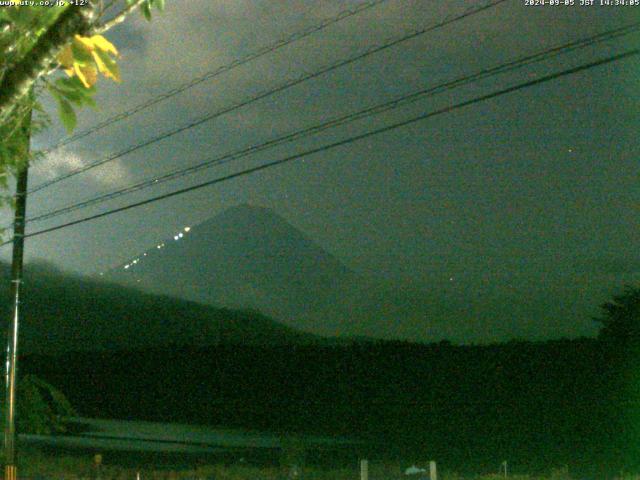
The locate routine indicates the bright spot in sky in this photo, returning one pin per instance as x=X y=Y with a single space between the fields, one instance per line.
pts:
x=186 y=229
x=181 y=235
x=127 y=266
x=62 y=161
x=176 y=237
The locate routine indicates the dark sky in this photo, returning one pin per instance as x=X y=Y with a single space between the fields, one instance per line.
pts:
x=522 y=210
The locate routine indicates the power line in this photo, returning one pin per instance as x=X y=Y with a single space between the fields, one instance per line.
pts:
x=288 y=84
x=377 y=109
x=340 y=143
x=299 y=35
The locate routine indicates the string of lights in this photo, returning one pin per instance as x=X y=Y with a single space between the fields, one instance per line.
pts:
x=264 y=94
x=342 y=120
x=346 y=141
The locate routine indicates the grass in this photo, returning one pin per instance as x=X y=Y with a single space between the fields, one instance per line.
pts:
x=36 y=465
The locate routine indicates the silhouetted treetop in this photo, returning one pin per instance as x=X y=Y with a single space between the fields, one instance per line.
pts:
x=621 y=318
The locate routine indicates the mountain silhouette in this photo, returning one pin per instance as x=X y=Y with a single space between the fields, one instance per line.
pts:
x=246 y=257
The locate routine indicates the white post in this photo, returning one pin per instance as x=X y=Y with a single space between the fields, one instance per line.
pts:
x=364 y=470
x=433 y=472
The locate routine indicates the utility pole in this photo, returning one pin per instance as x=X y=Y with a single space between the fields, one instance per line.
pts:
x=10 y=470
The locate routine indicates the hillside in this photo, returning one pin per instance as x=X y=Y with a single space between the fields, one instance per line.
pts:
x=65 y=312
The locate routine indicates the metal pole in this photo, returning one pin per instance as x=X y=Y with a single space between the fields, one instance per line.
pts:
x=10 y=472
x=364 y=470
x=433 y=470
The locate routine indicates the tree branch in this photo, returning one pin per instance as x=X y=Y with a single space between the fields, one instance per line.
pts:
x=21 y=76
x=118 y=19
x=106 y=7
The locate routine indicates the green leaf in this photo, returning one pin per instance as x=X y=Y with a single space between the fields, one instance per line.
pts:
x=40 y=119
x=21 y=16
x=80 y=55
x=72 y=96
x=90 y=102
x=74 y=84
x=146 y=10
x=67 y=114
x=113 y=71
x=73 y=90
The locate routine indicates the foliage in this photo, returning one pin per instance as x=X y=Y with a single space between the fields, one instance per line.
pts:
x=460 y=405
x=292 y=457
x=14 y=147
x=41 y=407
x=620 y=335
x=20 y=28
x=26 y=42
x=537 y=404
x=146 y=7
x=82 y=59
x=621 y=318
x=73 y=467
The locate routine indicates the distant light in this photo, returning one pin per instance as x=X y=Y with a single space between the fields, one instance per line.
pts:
x=101 y=273
x=176 y=237
x=145 y=254
x=159 y=247
x=186 y=229
x=127 y=266
x=181 y=235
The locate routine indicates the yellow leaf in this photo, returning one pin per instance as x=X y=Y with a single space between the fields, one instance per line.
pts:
x=65 y=57
x=80 y=75
x=88 y=75
x=107 y=66
x=101 y=66
x=97 y=42
x=89 y=55
x=103 y=44
x=84 y=42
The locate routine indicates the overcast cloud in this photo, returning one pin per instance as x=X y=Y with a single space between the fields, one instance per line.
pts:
x=532 y=196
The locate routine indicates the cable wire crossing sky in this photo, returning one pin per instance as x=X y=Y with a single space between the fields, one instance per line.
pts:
x=462 y=159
